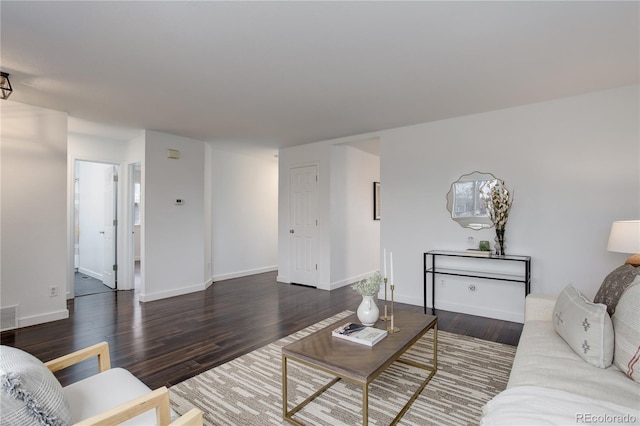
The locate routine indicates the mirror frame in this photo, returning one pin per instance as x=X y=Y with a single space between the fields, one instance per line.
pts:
x=476 y=218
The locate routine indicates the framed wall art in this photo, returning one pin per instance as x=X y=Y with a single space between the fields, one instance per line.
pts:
x=376 y=200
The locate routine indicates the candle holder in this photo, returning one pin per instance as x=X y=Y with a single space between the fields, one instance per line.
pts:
x=386 y=316
x=391 y=328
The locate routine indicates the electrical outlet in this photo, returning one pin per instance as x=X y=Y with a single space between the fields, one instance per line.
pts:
x=53 y=291
x=442 y=283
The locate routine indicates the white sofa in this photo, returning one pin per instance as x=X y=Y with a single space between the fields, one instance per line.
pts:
x=551 y=384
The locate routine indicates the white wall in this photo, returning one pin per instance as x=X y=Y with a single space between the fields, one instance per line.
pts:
x=244 y=218
x=173 y=236
x=38 y=159
x=355 y=236
x=347 y=244
x=573 y=164
x=239 y=204
x=82 y=147
x=33 y=212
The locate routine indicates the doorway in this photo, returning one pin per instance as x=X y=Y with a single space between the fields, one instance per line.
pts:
x=95 y=227
x=135 y=194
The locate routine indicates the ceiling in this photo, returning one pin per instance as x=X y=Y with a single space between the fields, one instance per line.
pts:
x=277 y=74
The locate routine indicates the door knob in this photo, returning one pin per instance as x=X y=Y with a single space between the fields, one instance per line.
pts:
x=102 y=232
x=291 y=231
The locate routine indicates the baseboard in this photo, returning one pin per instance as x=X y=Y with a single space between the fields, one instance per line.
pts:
x=283 y=279
x=351 y=280
x=482 y=312
x=149 y=297
x=90 y=273
x=208 y=283
x=455 y=307
x=246 y=273
x=42 y=318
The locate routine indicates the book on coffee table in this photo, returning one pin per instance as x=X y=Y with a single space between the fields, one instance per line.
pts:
x=359 y=333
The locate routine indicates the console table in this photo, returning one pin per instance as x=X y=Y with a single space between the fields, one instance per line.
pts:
x=431 y=268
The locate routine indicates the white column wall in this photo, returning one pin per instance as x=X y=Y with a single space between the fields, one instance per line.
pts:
x=173 y=236
x=33 y=211
x=355 y=236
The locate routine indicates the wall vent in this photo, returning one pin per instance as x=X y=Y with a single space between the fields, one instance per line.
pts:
x=8 y=317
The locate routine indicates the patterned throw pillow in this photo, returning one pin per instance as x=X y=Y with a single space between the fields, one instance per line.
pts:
x=29 y=392
x=614 y=285
x=585 y=326
x=626 y=326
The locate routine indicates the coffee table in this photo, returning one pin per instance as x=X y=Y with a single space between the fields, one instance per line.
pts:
x=359 y=364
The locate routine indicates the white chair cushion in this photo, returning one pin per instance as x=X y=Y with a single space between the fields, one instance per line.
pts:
x=105 y=390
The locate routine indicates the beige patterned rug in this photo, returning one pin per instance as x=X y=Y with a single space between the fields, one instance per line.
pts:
x=248 y=390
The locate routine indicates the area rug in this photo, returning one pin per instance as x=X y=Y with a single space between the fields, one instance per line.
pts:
x=248 y=390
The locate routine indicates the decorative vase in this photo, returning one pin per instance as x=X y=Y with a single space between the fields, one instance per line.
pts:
x=500 y=241
x=368 y=312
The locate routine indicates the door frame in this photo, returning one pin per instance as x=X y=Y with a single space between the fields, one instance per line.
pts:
x=123 y=281
x=130 y=258
x=291 y=261
x=111 y=255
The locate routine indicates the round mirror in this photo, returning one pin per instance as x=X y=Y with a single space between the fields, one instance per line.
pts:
x=464 y=201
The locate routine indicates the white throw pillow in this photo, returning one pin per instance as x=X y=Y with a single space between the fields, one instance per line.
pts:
x=626 y=324
x=585 y=326
x=30 y=393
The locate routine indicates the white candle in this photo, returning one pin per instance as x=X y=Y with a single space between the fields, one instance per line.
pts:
x=391 y=262
x=384 y=262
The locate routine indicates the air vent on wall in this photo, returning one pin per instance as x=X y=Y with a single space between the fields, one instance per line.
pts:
x=8 y=317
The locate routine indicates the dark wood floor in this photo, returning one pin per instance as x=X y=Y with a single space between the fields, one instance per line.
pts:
x=167 y=341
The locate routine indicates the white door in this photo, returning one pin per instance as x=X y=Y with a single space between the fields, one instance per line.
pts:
x=304 y=224
x=110 y=226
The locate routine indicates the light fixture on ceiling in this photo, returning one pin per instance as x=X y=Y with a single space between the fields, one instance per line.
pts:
x=5 y=85
x=625 y=238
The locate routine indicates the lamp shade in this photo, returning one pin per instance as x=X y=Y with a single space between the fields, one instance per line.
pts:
x=625 y=237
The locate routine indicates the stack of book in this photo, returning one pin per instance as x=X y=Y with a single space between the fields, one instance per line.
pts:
x=359 y=333
x=476 y=252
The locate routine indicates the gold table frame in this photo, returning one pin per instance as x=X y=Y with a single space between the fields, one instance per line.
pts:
x=288 y=414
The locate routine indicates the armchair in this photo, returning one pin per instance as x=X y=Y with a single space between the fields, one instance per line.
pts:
x=30 y=393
